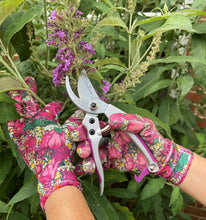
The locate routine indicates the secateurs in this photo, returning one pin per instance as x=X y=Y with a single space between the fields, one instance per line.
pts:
x=90 y=103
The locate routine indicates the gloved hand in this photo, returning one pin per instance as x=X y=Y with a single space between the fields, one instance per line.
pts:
x=46 y=146
x=173 y=160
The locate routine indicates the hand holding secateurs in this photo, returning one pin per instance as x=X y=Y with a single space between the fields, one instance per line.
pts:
x=89 y=102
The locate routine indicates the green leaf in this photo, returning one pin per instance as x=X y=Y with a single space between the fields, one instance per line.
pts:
x=157 y=86
x=199 y=50
x=134 y=186
x=123 y=212
x=27 y=190
x=113 y=176
x=168 y=111
x=5 y=165
x=200 y=28
x=152 y=188
x=143 y=112
x=114 y=61
x=175 y=195
x=8 y=112
x=148 y=81
x=2 y=137
x=185 y=12
x=19 y=23
x=7 y=7
x=3 y=207
x=18 y=216
x=5 y=98
x=100 y=206
x=180 y=60
x=120 y=193
x=185 y=84
x=173 y=23
x=8 y=83
x=177 y=205
x=111 y=21
x=100 y=50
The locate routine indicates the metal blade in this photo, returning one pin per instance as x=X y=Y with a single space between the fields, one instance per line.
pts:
x=94 y=136
x=77 y=101
x=85 y=89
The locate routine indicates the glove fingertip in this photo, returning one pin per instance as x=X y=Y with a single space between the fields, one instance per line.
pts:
x=84 y=149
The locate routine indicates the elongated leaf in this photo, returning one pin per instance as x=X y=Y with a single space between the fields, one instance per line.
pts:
x=199 y=50
x=157 y=86
x=5 y=165
x=168 y=111
x=18 y=216
x=143 y=112
x=181 y=60
x=8 y=112
x=120 y=193
x=152 y=188
x=27 y=190
x=149 y=80
x=21 y=21
x=3 y=207
x=185 y=12
x=185 y=84
x=123 y=212
x=100 y=206
x=8 y=83
x=7 y=7
x=5 y=98
x=111 y=21
x=173 y=22
x=177 y=205
x=113 y=61
x=175 y=195
x=113 y=176
x=2 y=137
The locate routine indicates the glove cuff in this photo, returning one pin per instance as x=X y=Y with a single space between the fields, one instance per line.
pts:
x=176 y=165
x=48 y=181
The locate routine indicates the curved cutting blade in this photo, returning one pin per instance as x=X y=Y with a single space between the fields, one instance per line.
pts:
x=85 y=89
x=77 y=101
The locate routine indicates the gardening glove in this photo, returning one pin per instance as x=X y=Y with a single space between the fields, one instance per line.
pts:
x=47 y=147
x=173 y=160
x=120 y=153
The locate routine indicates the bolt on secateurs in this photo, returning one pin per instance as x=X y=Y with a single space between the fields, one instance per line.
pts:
x=90 y=103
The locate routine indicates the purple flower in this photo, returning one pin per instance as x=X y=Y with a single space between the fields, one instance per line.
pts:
x=53 y=15
x=79 y=12
x=87 y=48
x=106 y=86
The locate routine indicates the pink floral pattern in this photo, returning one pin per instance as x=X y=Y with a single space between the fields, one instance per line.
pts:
x=173 y=160
x=47 y=147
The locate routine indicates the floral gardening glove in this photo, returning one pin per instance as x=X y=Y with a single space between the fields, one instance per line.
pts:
x=173 y=160
x=46 y=146
x=120 y=153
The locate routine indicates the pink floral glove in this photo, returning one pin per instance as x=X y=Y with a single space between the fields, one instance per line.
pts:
x=173 y=160
x=46 y=146
x=120 y=153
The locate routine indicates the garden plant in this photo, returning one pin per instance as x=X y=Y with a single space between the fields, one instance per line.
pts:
x=142 y=56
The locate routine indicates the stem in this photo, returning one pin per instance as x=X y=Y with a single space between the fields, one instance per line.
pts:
x=130 y=40
x=47 y=33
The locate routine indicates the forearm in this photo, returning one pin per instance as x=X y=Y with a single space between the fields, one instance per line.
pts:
x=194 y=182
x=67 y=203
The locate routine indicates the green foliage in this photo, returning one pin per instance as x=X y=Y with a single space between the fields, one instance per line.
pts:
x=161 y=71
